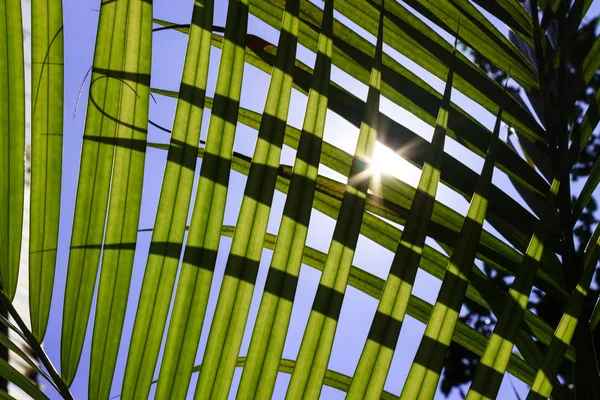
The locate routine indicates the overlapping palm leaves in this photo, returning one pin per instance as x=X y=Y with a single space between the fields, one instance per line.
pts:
x=107 y=210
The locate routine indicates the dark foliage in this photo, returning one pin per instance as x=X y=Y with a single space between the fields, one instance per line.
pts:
x=461 y=363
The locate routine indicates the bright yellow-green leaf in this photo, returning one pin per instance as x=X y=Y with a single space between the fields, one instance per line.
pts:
x=47 y=72
x=268 y=338
x=493 y=363
x=174 y=377
x=376 y=357
x=427 y=366
x=235 y=296
x=166 y=244
x=317 y=341
x=111 y=170
x=12 y=142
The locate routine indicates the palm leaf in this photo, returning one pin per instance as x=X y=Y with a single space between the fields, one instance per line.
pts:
x=589 y=187
x=590 y=120
x=317 y=341
x=125 y=200
x=28 y=338
x=327 y=200
x=210 y=198
x=591 y=63
x=433 y=262
x=328 y=197
x=266 y=346
x=417 y=308
x=456 y=175
x=413 y=94
x=542 y=387
x=113 y=151
x=426 y=369
x=410 y=36
x=227 y=328
x=529 y=236
x=12 y=143
x=10 y=345
x=332 y=379
x=575 y=15
x=396 y=199
x=403 y=87
x=376 y=357
x=12 y=375
x=184 y=144
x=480 y=34
x=512 y=13
x=493 y=363
x=46 y=156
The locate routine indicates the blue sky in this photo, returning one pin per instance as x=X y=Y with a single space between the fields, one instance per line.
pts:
x=168 y=54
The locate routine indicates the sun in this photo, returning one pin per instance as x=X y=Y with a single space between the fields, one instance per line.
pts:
x=386 y=161
x=389 y=163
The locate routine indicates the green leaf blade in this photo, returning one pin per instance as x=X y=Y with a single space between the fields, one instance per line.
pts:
x=543 y=385
x=171 y=216
x=412 y=37
x=377 y=353
x=456 y=175
x=352 y=54
x=480 y=34
x=109 y=84
x=14 y=376
x=591 y=63
x=317 y=341
x=330 y=192
x=12 y=143
x=589 y=187
x=125 y=200
x=401 y=195
x=47 y=73
x=235 y=296
x=173 y=377
x=513 y=14
x=493 y=363
x=268 y=338
x=204 y=236
x=427 y=366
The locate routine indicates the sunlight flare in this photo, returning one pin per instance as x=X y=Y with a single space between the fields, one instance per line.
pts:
x=386 y=161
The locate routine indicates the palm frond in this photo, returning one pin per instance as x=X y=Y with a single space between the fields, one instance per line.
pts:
x=12 y=143
x=46 y=156
x=380 y=67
